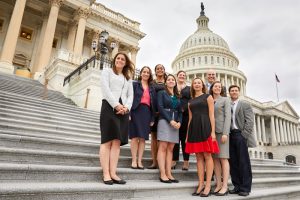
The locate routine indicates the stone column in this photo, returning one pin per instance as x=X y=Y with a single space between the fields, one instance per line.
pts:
x=72 y=35
x=47 y=41
x=11 y=38
x=232 y=82
x=263 y=130
x=285 y=131
x=289 y=134
x=258 y=125
x=295 y=133
x=82 y=14
x=273 y=134
x=255 y=129
x=133 y=53
x=281 y=131
x=226 y=82
x=203 y=78
x=277 y=130
x=40 y=41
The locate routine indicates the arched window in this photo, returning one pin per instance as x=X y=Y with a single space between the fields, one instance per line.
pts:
x=290 y=159
x=212 y=60
x=270 y=155
x=205 y=59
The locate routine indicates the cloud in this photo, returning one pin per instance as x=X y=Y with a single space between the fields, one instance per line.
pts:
x=264 y=35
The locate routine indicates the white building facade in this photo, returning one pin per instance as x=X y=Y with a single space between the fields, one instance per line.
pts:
x=276 y=124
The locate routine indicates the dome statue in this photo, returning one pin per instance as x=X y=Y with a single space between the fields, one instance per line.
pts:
x=204 y=50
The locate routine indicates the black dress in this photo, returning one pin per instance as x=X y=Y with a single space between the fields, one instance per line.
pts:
x=158 y=86
x=199 y=132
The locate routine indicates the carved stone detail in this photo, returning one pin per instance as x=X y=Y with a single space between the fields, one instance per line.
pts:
x=57 y=3
x=83 y=13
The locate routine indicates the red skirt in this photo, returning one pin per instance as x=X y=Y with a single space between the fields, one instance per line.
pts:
x=208 y=146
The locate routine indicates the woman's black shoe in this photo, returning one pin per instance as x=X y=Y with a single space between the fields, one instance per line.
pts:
x=109 y=182
x=213 y=192
x=121 y=181
x=152 y=167
x=204 y=195
x=174 y=180
x=222 y=194
x=138 y=167
x=165 y=181
x=197 y=194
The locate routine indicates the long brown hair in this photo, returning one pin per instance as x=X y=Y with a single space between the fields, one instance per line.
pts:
x=223 y=93
x=175 y=90
x=128 y=69
x=150 y=80
x=193 y=92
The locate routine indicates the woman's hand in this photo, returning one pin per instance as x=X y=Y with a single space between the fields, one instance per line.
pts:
x=178 y=125
x=151 y=123
x=213 y=136
x=173 y=123
x=224 y=138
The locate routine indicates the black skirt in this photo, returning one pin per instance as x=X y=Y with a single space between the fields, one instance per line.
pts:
x=113 y=126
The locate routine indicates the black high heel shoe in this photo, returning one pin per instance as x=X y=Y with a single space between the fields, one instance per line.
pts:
x=197 y=194
x=108 y=182
x=205 y=195
x=121 y=181
x=213 y=192
x=222 y=194
x=165 y=181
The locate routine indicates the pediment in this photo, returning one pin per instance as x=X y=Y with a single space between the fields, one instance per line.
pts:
x=286 y=108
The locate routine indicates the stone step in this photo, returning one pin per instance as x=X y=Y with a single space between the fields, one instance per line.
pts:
x=47 y=133
x=17 y=79
x=64 y=173
x=86 y=154
x=50 y=112
x=48 y=126
x=13 y=139
x=58 y=173
x=133 y=189
x=47 y=117
x=8 y=97
x=38 y=94
x=277 y=193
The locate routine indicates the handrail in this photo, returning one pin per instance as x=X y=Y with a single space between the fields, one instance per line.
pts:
x=78 y=70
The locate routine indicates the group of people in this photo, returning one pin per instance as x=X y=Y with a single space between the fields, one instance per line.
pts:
x=218 y=129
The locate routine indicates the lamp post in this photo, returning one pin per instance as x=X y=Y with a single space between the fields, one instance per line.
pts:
x=102 y=48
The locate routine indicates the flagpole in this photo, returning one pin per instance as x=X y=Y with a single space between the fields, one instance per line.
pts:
x=276 y=88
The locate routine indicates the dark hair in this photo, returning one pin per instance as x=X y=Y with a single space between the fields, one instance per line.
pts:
x=233 y=86
x=193 y=93
x=165 y=75
x=223 y=93
x=175 y=90
x=150 y=80
x=180 y=71
x=128 y=69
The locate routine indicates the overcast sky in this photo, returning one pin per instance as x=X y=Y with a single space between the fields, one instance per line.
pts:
x=263 y=34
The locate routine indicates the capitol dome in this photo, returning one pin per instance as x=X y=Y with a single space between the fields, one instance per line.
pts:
x=204 y=50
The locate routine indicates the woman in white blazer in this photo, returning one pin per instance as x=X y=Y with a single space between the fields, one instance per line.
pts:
x=117 y=92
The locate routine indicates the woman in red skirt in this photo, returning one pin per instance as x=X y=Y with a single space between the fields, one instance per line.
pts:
x=201 y=137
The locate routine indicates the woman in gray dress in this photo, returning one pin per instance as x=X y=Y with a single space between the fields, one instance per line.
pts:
x=222 y=121
x=169 y=108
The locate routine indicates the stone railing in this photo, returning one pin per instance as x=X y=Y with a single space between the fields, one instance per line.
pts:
x=115 y=15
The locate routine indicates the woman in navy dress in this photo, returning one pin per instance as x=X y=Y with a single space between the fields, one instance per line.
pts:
x=141 y=116
x=201 y=137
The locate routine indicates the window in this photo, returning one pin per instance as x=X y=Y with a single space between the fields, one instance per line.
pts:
x=54 y=43
x=218 y=60
x=187 y=62
x=183 y=64
x=199 y=60
x=26 y=33
x=205 y=59
x=212 y=60
x=1 y=24
x=223 y=61
x=193 y=61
